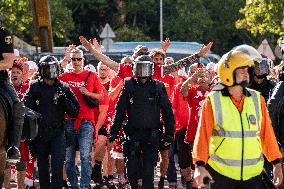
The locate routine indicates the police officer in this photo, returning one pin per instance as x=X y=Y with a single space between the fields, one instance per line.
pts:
x=15 y=129
x=260 y=81
x=143 y=98
x=52 y=99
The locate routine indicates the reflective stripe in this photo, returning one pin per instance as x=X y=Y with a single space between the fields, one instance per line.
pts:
x=255 y=101
x=238 y=163
x=218 y=109
x=234 y=134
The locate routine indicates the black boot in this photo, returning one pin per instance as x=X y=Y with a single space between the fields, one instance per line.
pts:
x=161 y=183
x=111 y=184
x=189 y=185
x=15 y=133
x=97 y=172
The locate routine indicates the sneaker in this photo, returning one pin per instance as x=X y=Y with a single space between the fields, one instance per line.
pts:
x=173 y=185
x=13 y=155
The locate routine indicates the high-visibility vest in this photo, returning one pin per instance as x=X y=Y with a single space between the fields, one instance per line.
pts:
x=235 y=149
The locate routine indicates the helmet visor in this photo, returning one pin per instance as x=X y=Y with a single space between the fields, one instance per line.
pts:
x=249 y=50
x=50 y=71
x=143 y=69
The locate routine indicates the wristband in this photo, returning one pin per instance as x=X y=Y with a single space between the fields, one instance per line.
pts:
x=200 y=164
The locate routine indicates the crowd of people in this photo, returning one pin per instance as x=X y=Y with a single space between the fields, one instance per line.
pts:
x=120 y=118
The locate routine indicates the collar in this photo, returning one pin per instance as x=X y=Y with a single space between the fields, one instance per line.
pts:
x=225 y=92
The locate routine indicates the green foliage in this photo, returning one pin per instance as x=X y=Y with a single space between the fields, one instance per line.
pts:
x=263 y=17
x=126 y=33
x=18 y=19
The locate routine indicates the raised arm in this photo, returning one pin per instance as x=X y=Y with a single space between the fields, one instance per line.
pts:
x=167 y=69
x=94 y=48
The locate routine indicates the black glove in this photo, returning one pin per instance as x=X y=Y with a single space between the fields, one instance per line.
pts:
x=167 y=140
x=112 y=138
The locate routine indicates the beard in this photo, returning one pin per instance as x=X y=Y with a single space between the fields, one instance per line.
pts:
x=244 y=83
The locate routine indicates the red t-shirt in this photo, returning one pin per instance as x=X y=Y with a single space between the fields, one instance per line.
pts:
x=103 y=101
x=169 y=82
x=76 y=81
x=157 y=72
x=21 y=90
x=195 y=100
x=124 y=71
x=180 y=105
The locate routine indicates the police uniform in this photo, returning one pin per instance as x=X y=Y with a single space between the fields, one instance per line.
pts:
x=51 y=102
x=143 y=104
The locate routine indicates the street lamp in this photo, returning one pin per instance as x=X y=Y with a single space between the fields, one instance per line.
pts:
x=161 y=20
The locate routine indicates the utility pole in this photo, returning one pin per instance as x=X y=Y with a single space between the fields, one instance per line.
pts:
x=42 y=24
x=161 y=20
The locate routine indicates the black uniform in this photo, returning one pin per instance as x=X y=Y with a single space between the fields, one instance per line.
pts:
x=265 y=88
x=51 y=102
x=143 y=103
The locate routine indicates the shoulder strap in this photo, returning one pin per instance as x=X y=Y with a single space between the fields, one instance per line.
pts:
x=89 y=73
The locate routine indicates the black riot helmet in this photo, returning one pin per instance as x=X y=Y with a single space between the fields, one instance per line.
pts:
x=143 y=66
x=262 y=68
x=49 y=67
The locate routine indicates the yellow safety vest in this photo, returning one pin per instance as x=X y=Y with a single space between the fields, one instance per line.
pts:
x=235 y=149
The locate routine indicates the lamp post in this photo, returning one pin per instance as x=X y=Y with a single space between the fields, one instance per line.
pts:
x=161 y=20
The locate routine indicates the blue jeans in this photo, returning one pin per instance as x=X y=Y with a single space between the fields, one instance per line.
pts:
x=84 y=137
x=172 y=171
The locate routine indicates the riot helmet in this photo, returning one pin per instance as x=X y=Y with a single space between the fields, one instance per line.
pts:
x=49 y=67
x=261 y=69
x=143 y=66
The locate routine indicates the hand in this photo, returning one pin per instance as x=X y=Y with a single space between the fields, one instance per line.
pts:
x=199 y=174
x=98 y=46
x=165 y=44
x=67 y=52
x=277 y=174
x=84 y=91
x=204 y=50
x=87 y=44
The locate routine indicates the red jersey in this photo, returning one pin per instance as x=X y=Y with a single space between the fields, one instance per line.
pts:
x=21 y=90
x=106 y=85
x=76 y=81
x=180 y=105
x=195 y=100
x=124 y=71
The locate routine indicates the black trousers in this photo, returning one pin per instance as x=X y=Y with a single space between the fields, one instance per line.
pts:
x=222 y=182
x=55 y=148
x=141 y=159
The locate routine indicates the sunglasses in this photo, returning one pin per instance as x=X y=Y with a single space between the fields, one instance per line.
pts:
x=76 y=59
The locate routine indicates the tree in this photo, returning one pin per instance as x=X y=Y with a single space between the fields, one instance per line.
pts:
x=126 y=33
x=18 y=18
x=263 y=17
